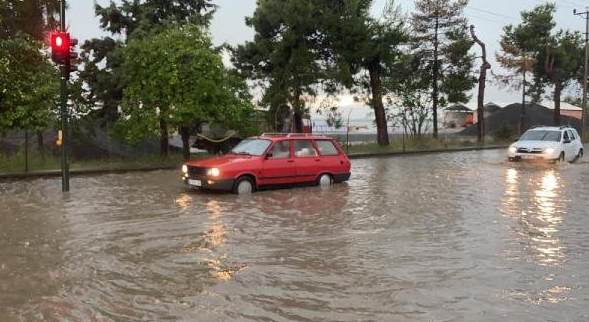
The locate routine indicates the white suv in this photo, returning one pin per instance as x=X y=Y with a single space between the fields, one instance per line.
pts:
x=547 y=143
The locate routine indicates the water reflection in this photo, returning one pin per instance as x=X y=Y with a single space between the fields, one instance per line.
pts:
x=538 y=216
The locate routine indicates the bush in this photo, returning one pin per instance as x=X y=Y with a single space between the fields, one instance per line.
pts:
x=504 y=133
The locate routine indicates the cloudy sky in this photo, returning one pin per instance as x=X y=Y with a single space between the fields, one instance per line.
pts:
x=488 y=16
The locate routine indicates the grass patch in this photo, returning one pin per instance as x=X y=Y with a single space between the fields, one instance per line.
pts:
x=15 y=163
x=414 y=144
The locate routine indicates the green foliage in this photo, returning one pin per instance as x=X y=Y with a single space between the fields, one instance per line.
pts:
x=173 y=77
x=28 y=86
x=30 y=19
x=440 y=34
x=286 y=54
x=103 y=58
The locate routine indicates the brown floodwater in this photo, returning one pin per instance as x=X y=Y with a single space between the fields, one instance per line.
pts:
x=445 y=237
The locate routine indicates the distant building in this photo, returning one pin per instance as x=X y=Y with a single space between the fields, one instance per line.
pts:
x=566 y=109
x=489 y=109
x=457 y=115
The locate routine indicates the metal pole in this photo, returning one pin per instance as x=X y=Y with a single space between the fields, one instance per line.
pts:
x=65 y=171
x=585 y=115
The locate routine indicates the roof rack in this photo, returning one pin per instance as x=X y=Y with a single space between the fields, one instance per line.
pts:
x=289 y=134
x=537 y=126
x=565 y=127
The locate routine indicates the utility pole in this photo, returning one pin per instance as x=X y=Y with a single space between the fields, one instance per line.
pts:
x=585 y=116
x=65 y=168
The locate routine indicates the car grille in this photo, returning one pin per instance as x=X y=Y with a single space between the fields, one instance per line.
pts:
x=532 y=151
x=197 y=171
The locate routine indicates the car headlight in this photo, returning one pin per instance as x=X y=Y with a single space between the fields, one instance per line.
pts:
x=549 y=150
x=214 y=172
x=185 y=168
x=512 y=149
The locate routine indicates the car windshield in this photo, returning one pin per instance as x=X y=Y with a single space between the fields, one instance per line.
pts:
x=251 y=147
x=538 y=135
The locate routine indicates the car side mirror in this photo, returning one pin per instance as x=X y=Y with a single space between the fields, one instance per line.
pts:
x=268 y=155
x=566 y=141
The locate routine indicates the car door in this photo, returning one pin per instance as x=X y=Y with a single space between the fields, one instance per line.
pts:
x=278 y=167
x=332 y=160
x=307 y=160
x=576 y=144
x=569 y=148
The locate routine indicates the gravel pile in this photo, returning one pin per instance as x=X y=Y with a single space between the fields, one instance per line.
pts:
x=509 y=115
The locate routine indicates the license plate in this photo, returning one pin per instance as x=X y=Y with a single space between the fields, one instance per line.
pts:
x=196 y=183
x=528 y=156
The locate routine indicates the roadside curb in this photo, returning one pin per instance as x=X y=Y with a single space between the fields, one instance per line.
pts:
x=419 y=152
x=86 y=172
x=81 y=172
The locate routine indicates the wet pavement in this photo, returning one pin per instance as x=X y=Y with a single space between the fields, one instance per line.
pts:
x=445 y=237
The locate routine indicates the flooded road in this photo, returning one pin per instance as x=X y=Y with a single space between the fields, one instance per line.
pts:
x=445 y=237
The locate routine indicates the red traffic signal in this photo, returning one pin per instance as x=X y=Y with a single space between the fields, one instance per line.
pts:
x=60 y=47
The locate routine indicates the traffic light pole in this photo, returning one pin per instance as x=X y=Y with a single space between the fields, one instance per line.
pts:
x=65 y=169
x=584 y=113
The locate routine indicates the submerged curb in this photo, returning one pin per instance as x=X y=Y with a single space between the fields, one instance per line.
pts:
x=85 y=172
x=418 y=152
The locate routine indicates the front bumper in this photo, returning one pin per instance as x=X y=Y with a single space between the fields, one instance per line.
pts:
x=532 y=156
x=203 y=182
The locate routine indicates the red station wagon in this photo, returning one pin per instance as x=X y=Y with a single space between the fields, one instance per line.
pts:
x=271 y=160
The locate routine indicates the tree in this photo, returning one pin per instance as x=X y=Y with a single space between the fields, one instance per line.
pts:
x=482 y=83
x=285 y=56
x=173 y=78
x=562 y=61
x=28 y=86
x=408 y=93
x=441 y=33
x=518 y=62
x=32 y=18
x=103 y=58
x=557 y=57
x=24 y=25
x=362 y=43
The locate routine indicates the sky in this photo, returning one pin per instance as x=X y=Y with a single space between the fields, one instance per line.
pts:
x=488 y=16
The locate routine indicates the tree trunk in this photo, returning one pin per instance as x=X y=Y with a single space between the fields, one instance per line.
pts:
x=164 y=144
x=481 y=94
x=40 y=145
x=185 y=133
x=435 y=77
x=522 y=118
x=379 y=113
x=557 y=92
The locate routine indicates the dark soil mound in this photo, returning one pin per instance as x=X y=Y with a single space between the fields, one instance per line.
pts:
x=509 y=116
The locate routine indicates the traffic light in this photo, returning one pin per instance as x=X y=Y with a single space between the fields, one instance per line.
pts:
x=60 y=47
x=70 y=64
x=63 y=51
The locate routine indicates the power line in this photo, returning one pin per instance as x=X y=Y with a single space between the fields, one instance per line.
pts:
x=491 y=13
x=573 y=3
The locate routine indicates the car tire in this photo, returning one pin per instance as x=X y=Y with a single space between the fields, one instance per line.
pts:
x=580 y=155
x=561 y=157
x=244 y=185
x=324 y=180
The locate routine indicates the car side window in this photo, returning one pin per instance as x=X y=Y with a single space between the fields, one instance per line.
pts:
x=281 y=150
x=571 y=135
x=326 y=147
x=566 y=136
x=304 y=148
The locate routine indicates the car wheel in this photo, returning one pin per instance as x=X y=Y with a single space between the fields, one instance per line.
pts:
x=580 y=155
x=244 y=185
x=561 y=157
x=324 y=180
